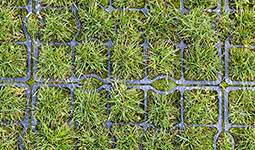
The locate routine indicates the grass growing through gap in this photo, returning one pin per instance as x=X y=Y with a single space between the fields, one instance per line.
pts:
x=243 y=24
x=197 y=138
x=128 y=4
x=127 y=137
x=161 y=22
x=224 y=142
x=98 y=138
x=11 y=25
x=52 y=136
x=153 y=139
x=239 y=4
x=201 y=60
x=56 y=3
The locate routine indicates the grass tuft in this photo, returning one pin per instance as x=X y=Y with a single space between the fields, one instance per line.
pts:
x=99 y=138
x=90 y=108
x=95 y=22
x=128 y=3
x=241 y=64
x=241 y=107
x=164 y=110
x=59 y=25
x=54 y=62
x=164 y=59
x=52 y=105
x=12 y=104
x=11 y=25
x=200 y=107
x=197 y=138
x=243 y=138
x=13 y=60
x=10 y=135
x=52 y=136
x=224 y=142
x=91 y=57
x=126 y=105
x=127 y=137
x=153 y=139
x=202 y=4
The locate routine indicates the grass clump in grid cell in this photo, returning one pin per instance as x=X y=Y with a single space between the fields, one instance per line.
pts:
x=52 y=105
x=13 y=60
x=98 y=138
x=240 y=4
x=243 y=22
x=126 y=105
x=197 y=138
x=201 y=4
x=244 y=138
x=195 y=27
x=153 y=139
x=54 y=62
x=59 y=25
x=128 y=25
x=241 y=64
x=12 y=104
x=161 y=23
x=14 y=3
x=200 y=107
x=126 y=136
x=164 y=58
x=163 y=110
x=95 y=22
x=91 y=57
x=10 y=133
x=56 y=3
x=89 y=3
x=51 y=136
x=11 y=24
x=241 y=107
x=224 y=141
x=128 y=3
x=89 y=108
x=202 y=62
x=127 y=62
